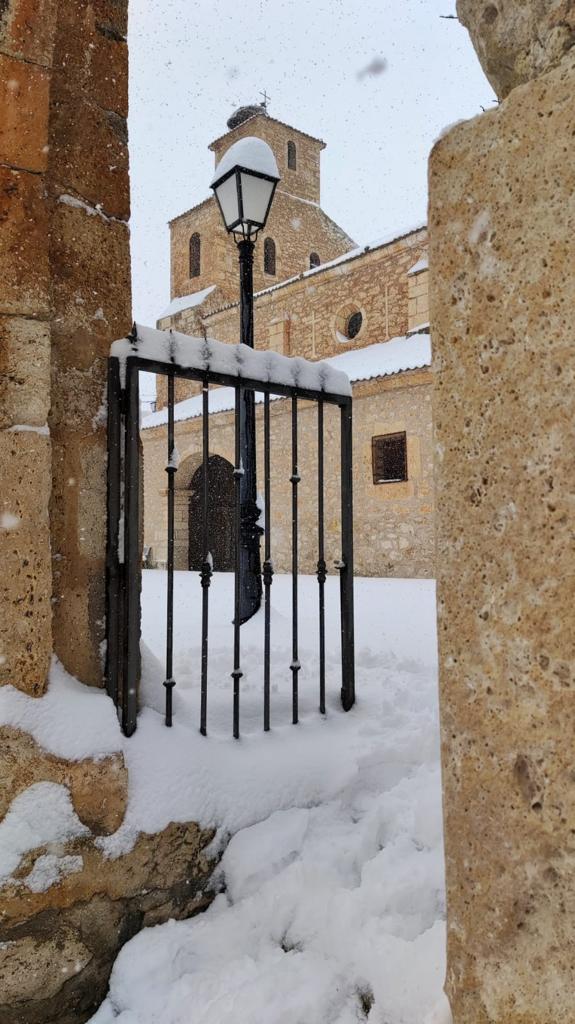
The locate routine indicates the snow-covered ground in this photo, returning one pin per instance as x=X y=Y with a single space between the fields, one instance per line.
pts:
x=331 y=901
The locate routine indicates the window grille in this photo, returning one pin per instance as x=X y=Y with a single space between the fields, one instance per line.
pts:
x=291 y=156
x=389 y=458
x=195 y=255
x=314 y=260
x=269 y=256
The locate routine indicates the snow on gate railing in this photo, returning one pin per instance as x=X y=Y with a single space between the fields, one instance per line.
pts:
x=246 y=370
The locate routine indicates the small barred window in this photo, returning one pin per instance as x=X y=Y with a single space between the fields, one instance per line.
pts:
x=269 y=256
x=314 y=260
x=292 y=156
x=195 y=255
x=389 y=458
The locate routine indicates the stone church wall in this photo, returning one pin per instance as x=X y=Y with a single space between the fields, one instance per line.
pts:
x=313 y=309
x=502 y=252
x=394 y=522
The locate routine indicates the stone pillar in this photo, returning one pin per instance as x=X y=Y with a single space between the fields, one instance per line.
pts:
x=502 y=258
x=88 y=198
x=26 y=40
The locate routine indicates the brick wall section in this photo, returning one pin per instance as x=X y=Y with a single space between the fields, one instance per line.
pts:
x=26 y=43
x=394 y=523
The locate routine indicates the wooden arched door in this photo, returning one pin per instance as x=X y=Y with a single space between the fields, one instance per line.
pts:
x=221 y=502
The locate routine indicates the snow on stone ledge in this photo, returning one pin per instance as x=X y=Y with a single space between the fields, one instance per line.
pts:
x=187 y=301
x=71 y=720
x=233 y=360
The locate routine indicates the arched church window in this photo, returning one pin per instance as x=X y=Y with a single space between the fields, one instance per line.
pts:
x=292 y=156
x=195 y=255
x=269 y=256
x=314 y=260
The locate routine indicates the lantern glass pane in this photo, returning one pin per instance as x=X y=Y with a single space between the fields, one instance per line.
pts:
x=256 y=194
x=228 y=196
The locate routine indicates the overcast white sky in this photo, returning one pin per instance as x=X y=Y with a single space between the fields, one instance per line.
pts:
x=194 y=61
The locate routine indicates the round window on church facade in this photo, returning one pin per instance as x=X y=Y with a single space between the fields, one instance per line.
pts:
x=348 y=323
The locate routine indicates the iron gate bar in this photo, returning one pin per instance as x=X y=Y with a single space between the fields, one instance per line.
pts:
x=268 y=571
x=346 y=567
x=206 y=571
x=321 y=565
x=114 y=568
x=171 y=468
x=295 y=479
x=249 y=383
x=132 y=564
x=238 y=471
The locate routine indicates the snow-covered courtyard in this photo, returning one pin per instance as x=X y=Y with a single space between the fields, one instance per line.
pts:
x=331 y=897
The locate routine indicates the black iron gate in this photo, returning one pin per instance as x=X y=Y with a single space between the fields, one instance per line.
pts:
x=124 y=539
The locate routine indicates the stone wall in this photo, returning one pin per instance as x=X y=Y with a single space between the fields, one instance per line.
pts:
x=297 y=228
x=315 y=307
x=26 y=41
x=502 y=251
x=394 y=522
x=64 y=296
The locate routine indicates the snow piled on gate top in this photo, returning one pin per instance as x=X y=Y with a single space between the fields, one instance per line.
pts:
x=380 y=360
x=233 y=360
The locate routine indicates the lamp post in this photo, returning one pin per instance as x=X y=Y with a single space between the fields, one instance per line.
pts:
x=244 y=184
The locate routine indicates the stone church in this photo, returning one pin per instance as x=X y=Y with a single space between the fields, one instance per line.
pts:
x=317 y=295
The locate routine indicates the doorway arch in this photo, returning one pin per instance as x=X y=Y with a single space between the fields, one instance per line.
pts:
x=221 y=505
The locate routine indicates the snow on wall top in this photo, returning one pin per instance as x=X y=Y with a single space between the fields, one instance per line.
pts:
x=380 y=360
x=252 y=153
x=234 y=360
x=187 y=301
x=417 y=268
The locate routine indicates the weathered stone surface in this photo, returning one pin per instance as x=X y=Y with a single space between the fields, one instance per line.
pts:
x=24 y=371
x=99 y=789
x=92 y=912
x=24 y=99
x=517 y=40
x=90 y=279
x=25 y=582
x=24 y=269
x=502 y=251
x=27 y=29
x=27 y=967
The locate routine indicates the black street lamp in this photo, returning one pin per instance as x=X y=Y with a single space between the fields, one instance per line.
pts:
x=244 y=184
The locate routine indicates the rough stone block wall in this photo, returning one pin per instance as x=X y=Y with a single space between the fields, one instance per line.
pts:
x=64 y=296
x=502 y=252
x=26 y=40
x=394 y=522
x=89 y=209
